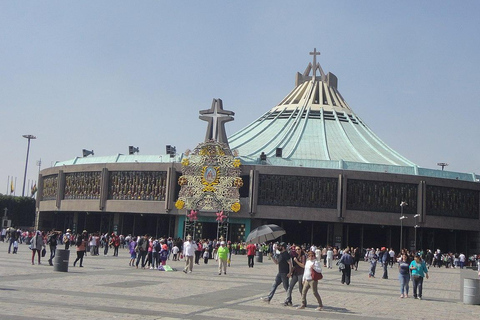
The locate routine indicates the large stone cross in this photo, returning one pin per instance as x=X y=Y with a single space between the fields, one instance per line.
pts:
x=216 y=118
x=314 y=54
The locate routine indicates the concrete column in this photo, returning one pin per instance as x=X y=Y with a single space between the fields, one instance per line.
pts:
x=116 y=222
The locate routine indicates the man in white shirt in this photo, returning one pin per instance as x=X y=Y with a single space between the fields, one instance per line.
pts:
x=329 y=258
x=392 y=257
x=189 y=248
x=461 y=260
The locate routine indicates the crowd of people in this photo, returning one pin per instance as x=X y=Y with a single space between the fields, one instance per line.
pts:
x=295 y=262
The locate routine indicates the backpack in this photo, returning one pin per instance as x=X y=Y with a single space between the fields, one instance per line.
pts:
x=157 y=246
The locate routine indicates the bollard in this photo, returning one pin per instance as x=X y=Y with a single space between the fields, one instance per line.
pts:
x=471 y=291
x=60 y=262
x=259 y=257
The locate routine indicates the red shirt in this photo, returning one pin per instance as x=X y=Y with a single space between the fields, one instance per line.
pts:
x=251 y=248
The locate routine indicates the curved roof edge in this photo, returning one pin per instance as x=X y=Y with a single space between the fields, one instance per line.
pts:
x=282 y=162
x=359 y=166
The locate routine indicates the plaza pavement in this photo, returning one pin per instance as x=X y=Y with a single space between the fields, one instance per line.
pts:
x=107 y=288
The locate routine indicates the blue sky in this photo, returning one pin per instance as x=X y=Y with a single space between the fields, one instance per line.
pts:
x=104 y=75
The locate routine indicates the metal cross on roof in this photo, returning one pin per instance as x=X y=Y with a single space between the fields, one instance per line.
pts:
x=314 y=67
x=216 y=118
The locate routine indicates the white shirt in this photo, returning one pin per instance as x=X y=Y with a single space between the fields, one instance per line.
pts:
x=330 y=254
x=461 y=257
x=189 y=248
x=307 y=274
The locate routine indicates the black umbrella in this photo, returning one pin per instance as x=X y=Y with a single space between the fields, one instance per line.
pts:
x=265 y=233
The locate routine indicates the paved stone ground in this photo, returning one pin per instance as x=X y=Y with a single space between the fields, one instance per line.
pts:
x=107 y=288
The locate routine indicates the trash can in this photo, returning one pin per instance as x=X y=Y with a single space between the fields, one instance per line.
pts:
x=60 y=262
x=259 y=256
x=471 y=291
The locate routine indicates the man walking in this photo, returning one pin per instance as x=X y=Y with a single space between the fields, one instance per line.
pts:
x=285 y=267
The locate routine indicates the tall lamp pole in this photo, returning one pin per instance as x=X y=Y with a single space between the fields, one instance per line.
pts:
x=416 y=226
x=29 y=137
x=402 y=204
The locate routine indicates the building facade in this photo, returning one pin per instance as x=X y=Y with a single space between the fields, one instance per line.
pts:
x=309 y=164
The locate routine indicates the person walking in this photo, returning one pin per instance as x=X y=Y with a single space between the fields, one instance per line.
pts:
x=347 y=261
x=297 y=274
x=189 y=248
x=12 y=238
x=285 y=267
x=67 y=237
x=251 y=249
x=81 y=244
x=222 y=258
x=52 y=243
x=308 y=282
x=142 y=245
x=404 y=275
x=385 y=259
x=419 y=271
x=37 y=245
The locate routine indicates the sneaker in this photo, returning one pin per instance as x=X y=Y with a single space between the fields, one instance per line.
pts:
x=420 y=298
x=401 y=296
x=151 y=268
x=265 y=299
x=319 y=309
x=301 y=307
x=287 y=304
x=185 y=271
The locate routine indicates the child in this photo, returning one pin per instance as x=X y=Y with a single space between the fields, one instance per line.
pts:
x=373 y=263
x=175 y=251
x=206 y=255
x=15 y=246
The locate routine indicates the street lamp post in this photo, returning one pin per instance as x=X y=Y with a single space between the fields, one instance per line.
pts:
x=416 y=226
x=402 y=217
x=29 y=137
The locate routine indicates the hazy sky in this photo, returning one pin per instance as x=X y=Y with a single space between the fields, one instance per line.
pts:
x=104 y=75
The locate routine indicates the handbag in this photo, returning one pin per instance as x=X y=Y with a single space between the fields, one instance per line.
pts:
x=44 y=252
x=340 y=265
x=316 y=275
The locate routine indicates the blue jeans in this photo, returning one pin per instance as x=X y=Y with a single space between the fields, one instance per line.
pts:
x=280 y=278
x=404 y=283
x=295 y=278
x=417 y=284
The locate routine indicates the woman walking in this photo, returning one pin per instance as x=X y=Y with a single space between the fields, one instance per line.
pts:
x=37 y=245
x=308 y=282
x=81 y=243
x=404 y=275
x=297 y=274
x=419 y=271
